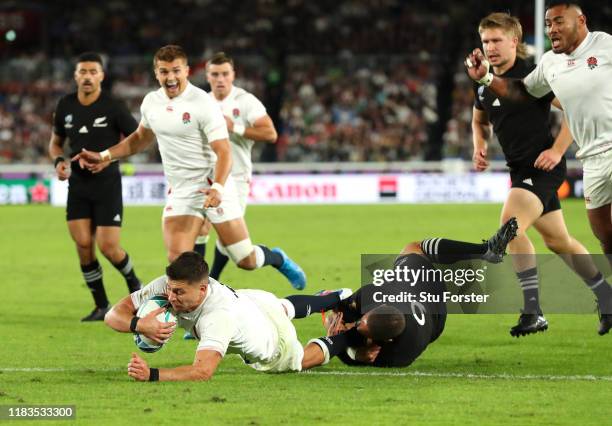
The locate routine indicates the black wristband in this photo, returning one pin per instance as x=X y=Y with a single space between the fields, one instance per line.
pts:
x=154 y=374
x=133 y=323
x=58 y=160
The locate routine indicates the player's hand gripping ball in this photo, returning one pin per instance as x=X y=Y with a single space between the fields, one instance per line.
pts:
x=144 y=343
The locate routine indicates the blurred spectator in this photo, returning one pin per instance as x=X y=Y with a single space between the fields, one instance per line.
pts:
x=358 y=79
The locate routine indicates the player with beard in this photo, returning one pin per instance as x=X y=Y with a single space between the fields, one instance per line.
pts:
x=579 y=72
x=523 y=130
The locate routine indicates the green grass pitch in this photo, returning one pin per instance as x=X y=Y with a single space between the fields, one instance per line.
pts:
x=474 y=374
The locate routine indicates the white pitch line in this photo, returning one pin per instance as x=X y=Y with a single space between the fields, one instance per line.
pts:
x=58 y=370
x=461 y=375
x=503 y=376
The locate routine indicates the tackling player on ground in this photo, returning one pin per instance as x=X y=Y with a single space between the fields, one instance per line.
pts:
x=196 y=155
x=389 y=341
x=257 y=325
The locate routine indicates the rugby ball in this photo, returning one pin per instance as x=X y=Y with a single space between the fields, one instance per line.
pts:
x=143 y=342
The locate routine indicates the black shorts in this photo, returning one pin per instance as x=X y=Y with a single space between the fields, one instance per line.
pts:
x=543 y=184
x=98 y=200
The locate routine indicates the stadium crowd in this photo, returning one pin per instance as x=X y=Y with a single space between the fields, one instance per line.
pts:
x=358 y=81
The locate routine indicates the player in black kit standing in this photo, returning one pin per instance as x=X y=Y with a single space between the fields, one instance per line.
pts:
x=537 y=170
x=93 y=120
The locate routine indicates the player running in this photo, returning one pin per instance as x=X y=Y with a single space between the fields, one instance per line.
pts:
x=524 y=133
x=193 y=141
x=578 y=71
x=247 y=122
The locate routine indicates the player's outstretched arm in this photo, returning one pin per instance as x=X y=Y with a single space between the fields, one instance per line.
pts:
x=320 y=351
x=548 y=159
x=478 y=69
x=203 y=368
x=136 y=142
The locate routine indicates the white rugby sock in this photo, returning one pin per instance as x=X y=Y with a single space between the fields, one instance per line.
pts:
x=259 y=257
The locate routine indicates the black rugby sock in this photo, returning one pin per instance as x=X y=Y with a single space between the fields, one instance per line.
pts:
x=127 y=270
x=92 y=273
x=200 y=248
x=306 y=305
x=600 y=287
x=528 y=280
x=271 y=257
x=441 y=250
x=219 y=263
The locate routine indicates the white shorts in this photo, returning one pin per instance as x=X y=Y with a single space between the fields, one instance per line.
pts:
x=290 y=353
x=597 y=179
x=184 y=198
x=243 y=188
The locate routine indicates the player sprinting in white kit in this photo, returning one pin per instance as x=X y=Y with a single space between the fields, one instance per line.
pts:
x=251 y=323
x=196 y=155
x=247 y=122
x=579 y=72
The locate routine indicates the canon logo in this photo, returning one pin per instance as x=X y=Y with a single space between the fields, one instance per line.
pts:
x=292 y=191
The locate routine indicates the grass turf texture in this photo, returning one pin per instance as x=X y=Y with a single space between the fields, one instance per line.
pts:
x=474 y=374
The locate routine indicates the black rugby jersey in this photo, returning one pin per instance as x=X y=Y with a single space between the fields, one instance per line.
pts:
x=424 y=323
x=522 y=127
x=94 y=127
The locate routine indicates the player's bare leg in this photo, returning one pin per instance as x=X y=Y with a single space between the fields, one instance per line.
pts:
x=108 y=239
x=234 y=238
x=202 y=238
x=527 y=208
x=83 y=235
x=557 y=238
x=180 y=233
x=601 y=225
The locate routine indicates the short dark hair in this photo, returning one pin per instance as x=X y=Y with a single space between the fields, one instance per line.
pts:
x=189 y=267
x=385 y=322
x=90 y=57
x=554 y=3
x=220 y=58
x=169 y=53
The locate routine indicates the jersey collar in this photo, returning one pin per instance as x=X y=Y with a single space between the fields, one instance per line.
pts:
x=229 y=96
x=582 y=46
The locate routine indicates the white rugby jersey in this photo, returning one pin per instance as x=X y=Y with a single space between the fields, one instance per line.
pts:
x=243 y=108
x=184 y=127
x=225 y=321
x=582 y=81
